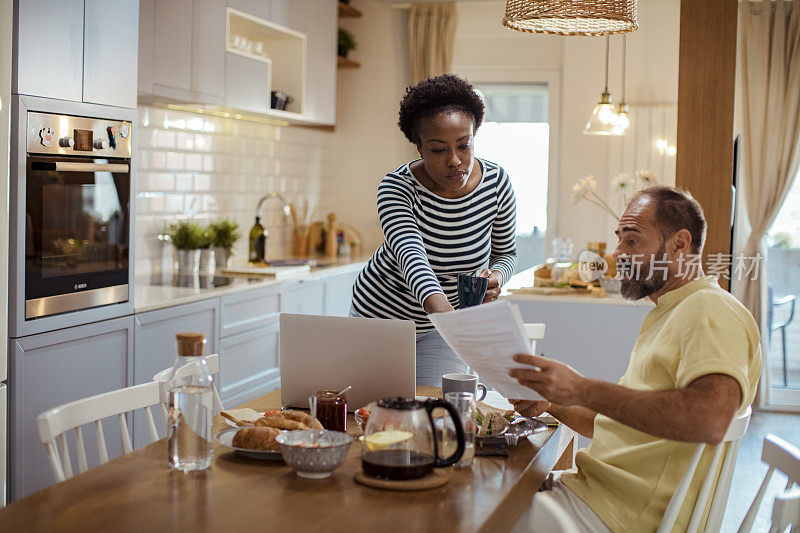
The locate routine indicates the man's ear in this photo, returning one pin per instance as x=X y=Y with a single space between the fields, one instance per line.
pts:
x=681 y=242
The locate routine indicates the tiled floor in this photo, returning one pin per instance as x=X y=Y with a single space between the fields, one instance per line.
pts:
x=750 y=470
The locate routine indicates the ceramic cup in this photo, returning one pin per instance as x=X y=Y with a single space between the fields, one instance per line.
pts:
x=463 y=383
x=471 y=290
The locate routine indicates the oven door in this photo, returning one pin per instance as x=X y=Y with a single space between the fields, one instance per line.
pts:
x=77 y=219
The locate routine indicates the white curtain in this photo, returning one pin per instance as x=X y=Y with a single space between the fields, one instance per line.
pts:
x=431 y=33
x=769 y=77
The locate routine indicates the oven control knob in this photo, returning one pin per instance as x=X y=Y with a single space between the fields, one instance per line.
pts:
x=124 y=130
x=66 y=142
x=102 y=144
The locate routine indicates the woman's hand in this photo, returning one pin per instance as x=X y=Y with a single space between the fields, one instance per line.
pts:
x=493 y=291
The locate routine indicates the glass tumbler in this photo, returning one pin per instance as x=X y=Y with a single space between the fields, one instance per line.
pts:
x=464 y=403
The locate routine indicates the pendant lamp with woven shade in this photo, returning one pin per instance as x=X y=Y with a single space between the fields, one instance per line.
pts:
x=572 y=17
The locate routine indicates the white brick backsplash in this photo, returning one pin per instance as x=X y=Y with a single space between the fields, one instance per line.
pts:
x=203 y=168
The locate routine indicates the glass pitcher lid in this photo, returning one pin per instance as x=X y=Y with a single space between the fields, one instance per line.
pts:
x=400 y=403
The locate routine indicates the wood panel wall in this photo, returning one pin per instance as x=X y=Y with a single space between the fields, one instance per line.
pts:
x=706 y=80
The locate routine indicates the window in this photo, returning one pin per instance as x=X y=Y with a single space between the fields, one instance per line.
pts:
x=516 y=135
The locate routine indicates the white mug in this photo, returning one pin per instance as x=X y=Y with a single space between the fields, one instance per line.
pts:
x=463 y=383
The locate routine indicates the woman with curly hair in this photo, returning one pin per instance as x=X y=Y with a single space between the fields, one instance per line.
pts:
x=444 y=214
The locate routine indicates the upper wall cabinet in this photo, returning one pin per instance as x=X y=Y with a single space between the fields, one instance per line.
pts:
x=76 y=50
x=235 y=53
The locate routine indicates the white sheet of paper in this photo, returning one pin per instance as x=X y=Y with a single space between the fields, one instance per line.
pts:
x=486 y=337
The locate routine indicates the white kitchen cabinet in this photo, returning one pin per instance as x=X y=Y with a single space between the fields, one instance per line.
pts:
x=78 y=50
x=303 y=298
x=172 y=46
x=54 y=368
x=155 y=349
x=48 y=58
x=208 y=51
x=246 y=83
x=249 y=364
x=248 y=310
x=110 y=52
x=339 y=294
x=3 y=442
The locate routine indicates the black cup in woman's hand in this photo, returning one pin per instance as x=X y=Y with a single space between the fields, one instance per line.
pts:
x=471 y=290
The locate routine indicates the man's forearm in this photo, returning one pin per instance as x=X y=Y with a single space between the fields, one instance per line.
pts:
x=578 y=418
x=688 y=415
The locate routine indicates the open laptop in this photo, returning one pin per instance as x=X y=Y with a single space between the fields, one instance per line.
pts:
x=377 y=357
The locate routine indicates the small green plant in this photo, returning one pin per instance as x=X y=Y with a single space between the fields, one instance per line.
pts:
x=782 y=238
x=186 y=235
x=224 y=233
x=346 y=42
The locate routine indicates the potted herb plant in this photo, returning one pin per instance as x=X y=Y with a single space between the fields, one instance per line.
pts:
x=224 y=233
x=206 y=252
x=187 y=238
x=346 y=42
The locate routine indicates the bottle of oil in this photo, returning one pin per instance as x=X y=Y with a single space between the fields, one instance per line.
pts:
x=258 y=243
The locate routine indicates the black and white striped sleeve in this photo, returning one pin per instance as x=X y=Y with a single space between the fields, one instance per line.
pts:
x=403 y=237
x=503 y=256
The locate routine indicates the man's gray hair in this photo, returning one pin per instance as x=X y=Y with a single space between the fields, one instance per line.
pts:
x=677 y=209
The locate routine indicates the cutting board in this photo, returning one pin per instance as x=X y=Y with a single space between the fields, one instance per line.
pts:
x=276 y=273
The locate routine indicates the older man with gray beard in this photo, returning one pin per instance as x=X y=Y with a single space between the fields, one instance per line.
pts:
x=695 y=364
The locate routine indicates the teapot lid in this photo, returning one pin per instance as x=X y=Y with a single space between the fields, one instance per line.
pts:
x=404 y=404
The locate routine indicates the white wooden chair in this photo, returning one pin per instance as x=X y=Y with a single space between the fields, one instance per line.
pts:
x=784 y=457
x=545 y=515
x=55 y=423
x=786 y=511
x=720 y=493
x=534 y=332
x=212 y=362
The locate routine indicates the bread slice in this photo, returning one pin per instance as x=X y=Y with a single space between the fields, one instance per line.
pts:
x=492 y=420
x=241 y=417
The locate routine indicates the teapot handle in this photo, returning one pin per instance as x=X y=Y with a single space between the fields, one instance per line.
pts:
x=430 y=405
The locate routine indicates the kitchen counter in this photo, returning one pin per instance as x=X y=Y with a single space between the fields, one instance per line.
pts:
x=149 y=296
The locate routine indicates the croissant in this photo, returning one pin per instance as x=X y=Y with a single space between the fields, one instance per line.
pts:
x=257 y=438
x=303 y=418
x=278 y=421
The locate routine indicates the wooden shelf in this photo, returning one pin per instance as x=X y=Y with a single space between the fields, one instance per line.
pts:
x=346 y=10
x=343 y=62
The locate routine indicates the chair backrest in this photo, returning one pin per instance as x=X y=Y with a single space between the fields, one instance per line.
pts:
x=779 y=455
x=534 y=332
x=55 y=423
x=729 y=444
x=212 y=363
x=786 y=511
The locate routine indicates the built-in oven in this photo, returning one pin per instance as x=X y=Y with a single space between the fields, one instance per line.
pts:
x=77 y=214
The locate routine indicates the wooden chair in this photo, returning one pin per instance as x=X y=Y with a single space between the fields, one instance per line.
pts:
x=212 y=362
x=784 y=457
x=55 y=423
x=720 y=494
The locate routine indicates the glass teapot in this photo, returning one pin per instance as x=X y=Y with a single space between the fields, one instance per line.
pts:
x=399 y=441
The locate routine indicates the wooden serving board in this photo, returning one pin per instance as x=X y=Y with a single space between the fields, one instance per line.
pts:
x=434 y=480
x=268 y=272
x=570 y=291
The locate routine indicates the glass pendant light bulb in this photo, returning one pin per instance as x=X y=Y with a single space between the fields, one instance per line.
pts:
x=603 y=119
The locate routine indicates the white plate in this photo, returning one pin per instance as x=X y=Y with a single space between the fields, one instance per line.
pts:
x=225 y=437
x=233 y=424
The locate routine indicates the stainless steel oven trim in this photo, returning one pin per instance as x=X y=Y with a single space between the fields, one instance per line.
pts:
x=52 y=305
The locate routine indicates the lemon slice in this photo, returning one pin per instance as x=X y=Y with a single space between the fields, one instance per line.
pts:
x=382 y=440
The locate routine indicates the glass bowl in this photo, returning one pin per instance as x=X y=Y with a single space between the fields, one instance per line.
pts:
x=314 y=461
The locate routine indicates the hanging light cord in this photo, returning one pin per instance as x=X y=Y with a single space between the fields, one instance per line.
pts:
x=624 y=57
x=606 y=87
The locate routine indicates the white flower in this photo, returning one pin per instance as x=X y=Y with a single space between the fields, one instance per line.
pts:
x=647 y=177
x=623 y=184
x=582 y=189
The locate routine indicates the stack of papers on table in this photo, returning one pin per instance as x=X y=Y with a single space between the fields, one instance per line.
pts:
x=486 y=337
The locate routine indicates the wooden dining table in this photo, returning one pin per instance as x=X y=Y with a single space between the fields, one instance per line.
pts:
x=139 y=492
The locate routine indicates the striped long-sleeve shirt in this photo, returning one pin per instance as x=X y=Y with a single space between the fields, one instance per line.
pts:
x=429 y=240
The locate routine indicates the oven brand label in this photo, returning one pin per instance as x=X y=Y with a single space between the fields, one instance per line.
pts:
x=79 y=286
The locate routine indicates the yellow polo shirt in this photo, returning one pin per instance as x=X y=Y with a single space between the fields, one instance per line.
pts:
x=627 y=477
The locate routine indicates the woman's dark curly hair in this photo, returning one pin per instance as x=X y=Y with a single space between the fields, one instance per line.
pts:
x=442 y=94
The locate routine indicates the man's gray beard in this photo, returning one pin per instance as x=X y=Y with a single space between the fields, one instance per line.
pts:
x=636 y=289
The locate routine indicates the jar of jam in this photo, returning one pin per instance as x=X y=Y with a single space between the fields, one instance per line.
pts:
x=332 y=410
